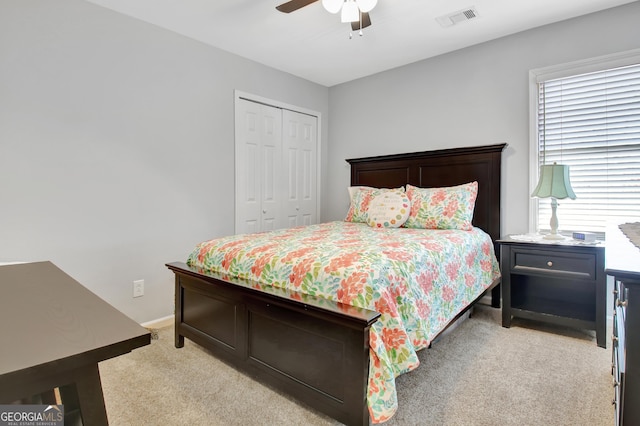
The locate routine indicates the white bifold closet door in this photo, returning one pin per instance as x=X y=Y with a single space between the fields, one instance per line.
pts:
x=276 y=168
x=300 y=163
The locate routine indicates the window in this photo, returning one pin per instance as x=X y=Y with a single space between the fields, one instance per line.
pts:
x=590 y=121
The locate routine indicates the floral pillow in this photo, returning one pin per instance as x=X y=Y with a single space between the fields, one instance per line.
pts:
x=354 y=189
x=442 y=208
x=388 y=209
x=361 y=197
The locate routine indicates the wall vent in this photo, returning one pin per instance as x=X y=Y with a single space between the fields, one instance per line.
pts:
x=457 y=17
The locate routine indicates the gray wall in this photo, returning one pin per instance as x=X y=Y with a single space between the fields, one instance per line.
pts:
x=474 y=96
x=116 y=144
x=116 y=137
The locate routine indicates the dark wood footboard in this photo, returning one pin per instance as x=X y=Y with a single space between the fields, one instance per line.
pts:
x=315 y=350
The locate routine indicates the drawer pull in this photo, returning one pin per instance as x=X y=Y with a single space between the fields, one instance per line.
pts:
x=549 y=264
x=621 y=303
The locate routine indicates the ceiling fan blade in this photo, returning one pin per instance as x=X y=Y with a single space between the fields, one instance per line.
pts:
x=366 y=21
x=293 y=5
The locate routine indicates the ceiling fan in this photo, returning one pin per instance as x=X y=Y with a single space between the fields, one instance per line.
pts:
x=354 y=11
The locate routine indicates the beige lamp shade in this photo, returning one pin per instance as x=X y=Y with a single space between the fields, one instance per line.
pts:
x=554 y=182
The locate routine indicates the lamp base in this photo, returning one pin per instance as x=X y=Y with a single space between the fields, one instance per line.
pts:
x=554 y=223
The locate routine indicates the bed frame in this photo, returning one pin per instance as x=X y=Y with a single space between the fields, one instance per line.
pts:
x=312 y=349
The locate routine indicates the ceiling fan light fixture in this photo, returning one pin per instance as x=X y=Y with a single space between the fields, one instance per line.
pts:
x=366 y=5
x=350 y=12
x=332 y=6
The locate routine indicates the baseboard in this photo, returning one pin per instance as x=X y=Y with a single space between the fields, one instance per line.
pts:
x=159 y=323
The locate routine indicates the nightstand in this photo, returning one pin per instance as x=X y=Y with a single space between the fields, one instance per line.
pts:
x=559 y=282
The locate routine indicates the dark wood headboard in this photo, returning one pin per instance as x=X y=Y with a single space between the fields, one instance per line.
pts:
x=445 y=167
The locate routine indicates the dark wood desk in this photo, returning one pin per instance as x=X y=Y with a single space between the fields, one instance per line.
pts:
x=54 y=332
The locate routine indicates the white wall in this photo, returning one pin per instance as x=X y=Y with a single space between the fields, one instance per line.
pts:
x=117 y=144
x=474 y=96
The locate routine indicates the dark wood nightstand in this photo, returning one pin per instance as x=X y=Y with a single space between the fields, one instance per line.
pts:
x=557 y=282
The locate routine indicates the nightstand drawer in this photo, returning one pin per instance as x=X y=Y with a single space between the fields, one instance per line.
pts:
x=555 y=263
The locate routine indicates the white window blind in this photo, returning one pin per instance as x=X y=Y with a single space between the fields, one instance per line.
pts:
x=591 y=122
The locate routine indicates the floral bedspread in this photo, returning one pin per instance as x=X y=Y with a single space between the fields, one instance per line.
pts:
x=417 y=279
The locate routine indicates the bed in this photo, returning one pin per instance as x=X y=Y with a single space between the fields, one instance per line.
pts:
x=316 y=349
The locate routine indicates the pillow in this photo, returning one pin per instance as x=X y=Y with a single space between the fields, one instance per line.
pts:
x=360 y=199
x=354 y=189
x=388 y=209
x=442 y=208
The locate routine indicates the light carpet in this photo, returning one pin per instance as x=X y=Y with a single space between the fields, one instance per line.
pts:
x=478 y=374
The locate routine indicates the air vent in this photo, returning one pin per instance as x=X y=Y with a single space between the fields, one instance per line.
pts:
x=457 y=17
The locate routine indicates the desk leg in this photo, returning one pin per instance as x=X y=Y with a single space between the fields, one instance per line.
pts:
x=82 y=395
x=86 y=394
x=46 y=398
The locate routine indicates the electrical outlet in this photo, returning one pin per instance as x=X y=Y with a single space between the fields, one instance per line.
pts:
x=138 y=288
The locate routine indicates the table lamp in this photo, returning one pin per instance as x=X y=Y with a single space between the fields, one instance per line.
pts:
x=554 y=183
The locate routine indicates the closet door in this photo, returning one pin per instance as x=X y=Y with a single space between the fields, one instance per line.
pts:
x=299 y=148
x=259 y=187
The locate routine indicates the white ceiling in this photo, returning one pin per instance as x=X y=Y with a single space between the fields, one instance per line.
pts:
x=312 y=43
